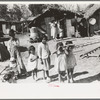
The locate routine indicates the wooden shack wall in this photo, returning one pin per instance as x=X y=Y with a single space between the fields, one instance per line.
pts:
x=70 y=30
x=0 y=26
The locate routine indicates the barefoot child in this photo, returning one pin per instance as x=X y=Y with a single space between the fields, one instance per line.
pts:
x=44 y=56
x=71 y=60
x=32 y=62
x=60 y=61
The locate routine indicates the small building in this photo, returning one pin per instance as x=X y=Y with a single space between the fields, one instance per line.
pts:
x=92 y=16
x=25 y=22
x=15 y=25
x=2 y=25
x=63 y=18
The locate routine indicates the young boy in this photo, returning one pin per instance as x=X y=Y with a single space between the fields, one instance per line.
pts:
x=44 y=55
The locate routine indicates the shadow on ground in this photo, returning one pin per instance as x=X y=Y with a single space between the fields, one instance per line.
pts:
x=80 y=73
x=89 y=79
x=52 y=66
x=55 y=77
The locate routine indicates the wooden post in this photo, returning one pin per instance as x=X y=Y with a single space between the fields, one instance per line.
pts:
x=48 y=29
x=76 y=28
x=87 y=27
x=27 y=27
x=22 y=28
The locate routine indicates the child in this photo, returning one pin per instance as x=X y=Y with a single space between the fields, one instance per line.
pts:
x=71 y=60
x=44 y=55
x=32 y=62
x=60 y=61
x=12 y=72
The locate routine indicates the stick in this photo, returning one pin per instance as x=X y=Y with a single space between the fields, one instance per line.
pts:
x=3 y=70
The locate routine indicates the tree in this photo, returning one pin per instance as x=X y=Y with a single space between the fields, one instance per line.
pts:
x=25 y=11
x=15 y=12
x=3 y=10
x=36 y=8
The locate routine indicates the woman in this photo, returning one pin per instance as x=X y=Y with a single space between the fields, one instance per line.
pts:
x=13 y=48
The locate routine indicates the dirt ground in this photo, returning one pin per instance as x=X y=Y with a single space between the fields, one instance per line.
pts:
x=86 y=71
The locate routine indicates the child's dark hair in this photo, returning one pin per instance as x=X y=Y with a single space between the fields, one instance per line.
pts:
x=11 y=33
x=31 y=48
x=44 y=38
x=59 y=44
x=68 y=42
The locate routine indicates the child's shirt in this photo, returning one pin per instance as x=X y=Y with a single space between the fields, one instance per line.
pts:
x=43 y=51
x=32 y=62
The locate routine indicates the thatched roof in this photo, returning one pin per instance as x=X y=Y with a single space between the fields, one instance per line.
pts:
x=30 y=18
x=91 y=11
x=2 y=20
x=51 y=12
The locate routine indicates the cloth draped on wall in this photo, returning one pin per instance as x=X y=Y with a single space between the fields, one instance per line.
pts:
x=4 y=53
x=54 y=29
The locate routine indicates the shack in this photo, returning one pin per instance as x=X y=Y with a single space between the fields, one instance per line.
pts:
x=92 y=16
x=62 y=17
x=2 y=25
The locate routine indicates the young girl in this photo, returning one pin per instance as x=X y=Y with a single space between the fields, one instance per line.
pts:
x=32 y=62
x=71 y=60
x=60 y=61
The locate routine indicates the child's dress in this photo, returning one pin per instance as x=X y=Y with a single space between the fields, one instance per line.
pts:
x=60 y=63
x=71 y=60
x=32 y=64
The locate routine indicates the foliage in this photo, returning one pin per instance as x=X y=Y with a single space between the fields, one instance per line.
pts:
x=25 y=11
x=36 y=8
x=3 y=10
x=15 y=13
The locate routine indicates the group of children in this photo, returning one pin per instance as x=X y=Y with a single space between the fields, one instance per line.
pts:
x=64 y=59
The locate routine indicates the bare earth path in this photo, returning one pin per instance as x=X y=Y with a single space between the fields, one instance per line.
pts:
x=86 y=71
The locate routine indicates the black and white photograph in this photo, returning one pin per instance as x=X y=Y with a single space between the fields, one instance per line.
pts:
x=50 y=43
x=49 y=50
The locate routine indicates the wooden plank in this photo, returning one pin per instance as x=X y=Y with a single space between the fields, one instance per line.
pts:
x=86 y=53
